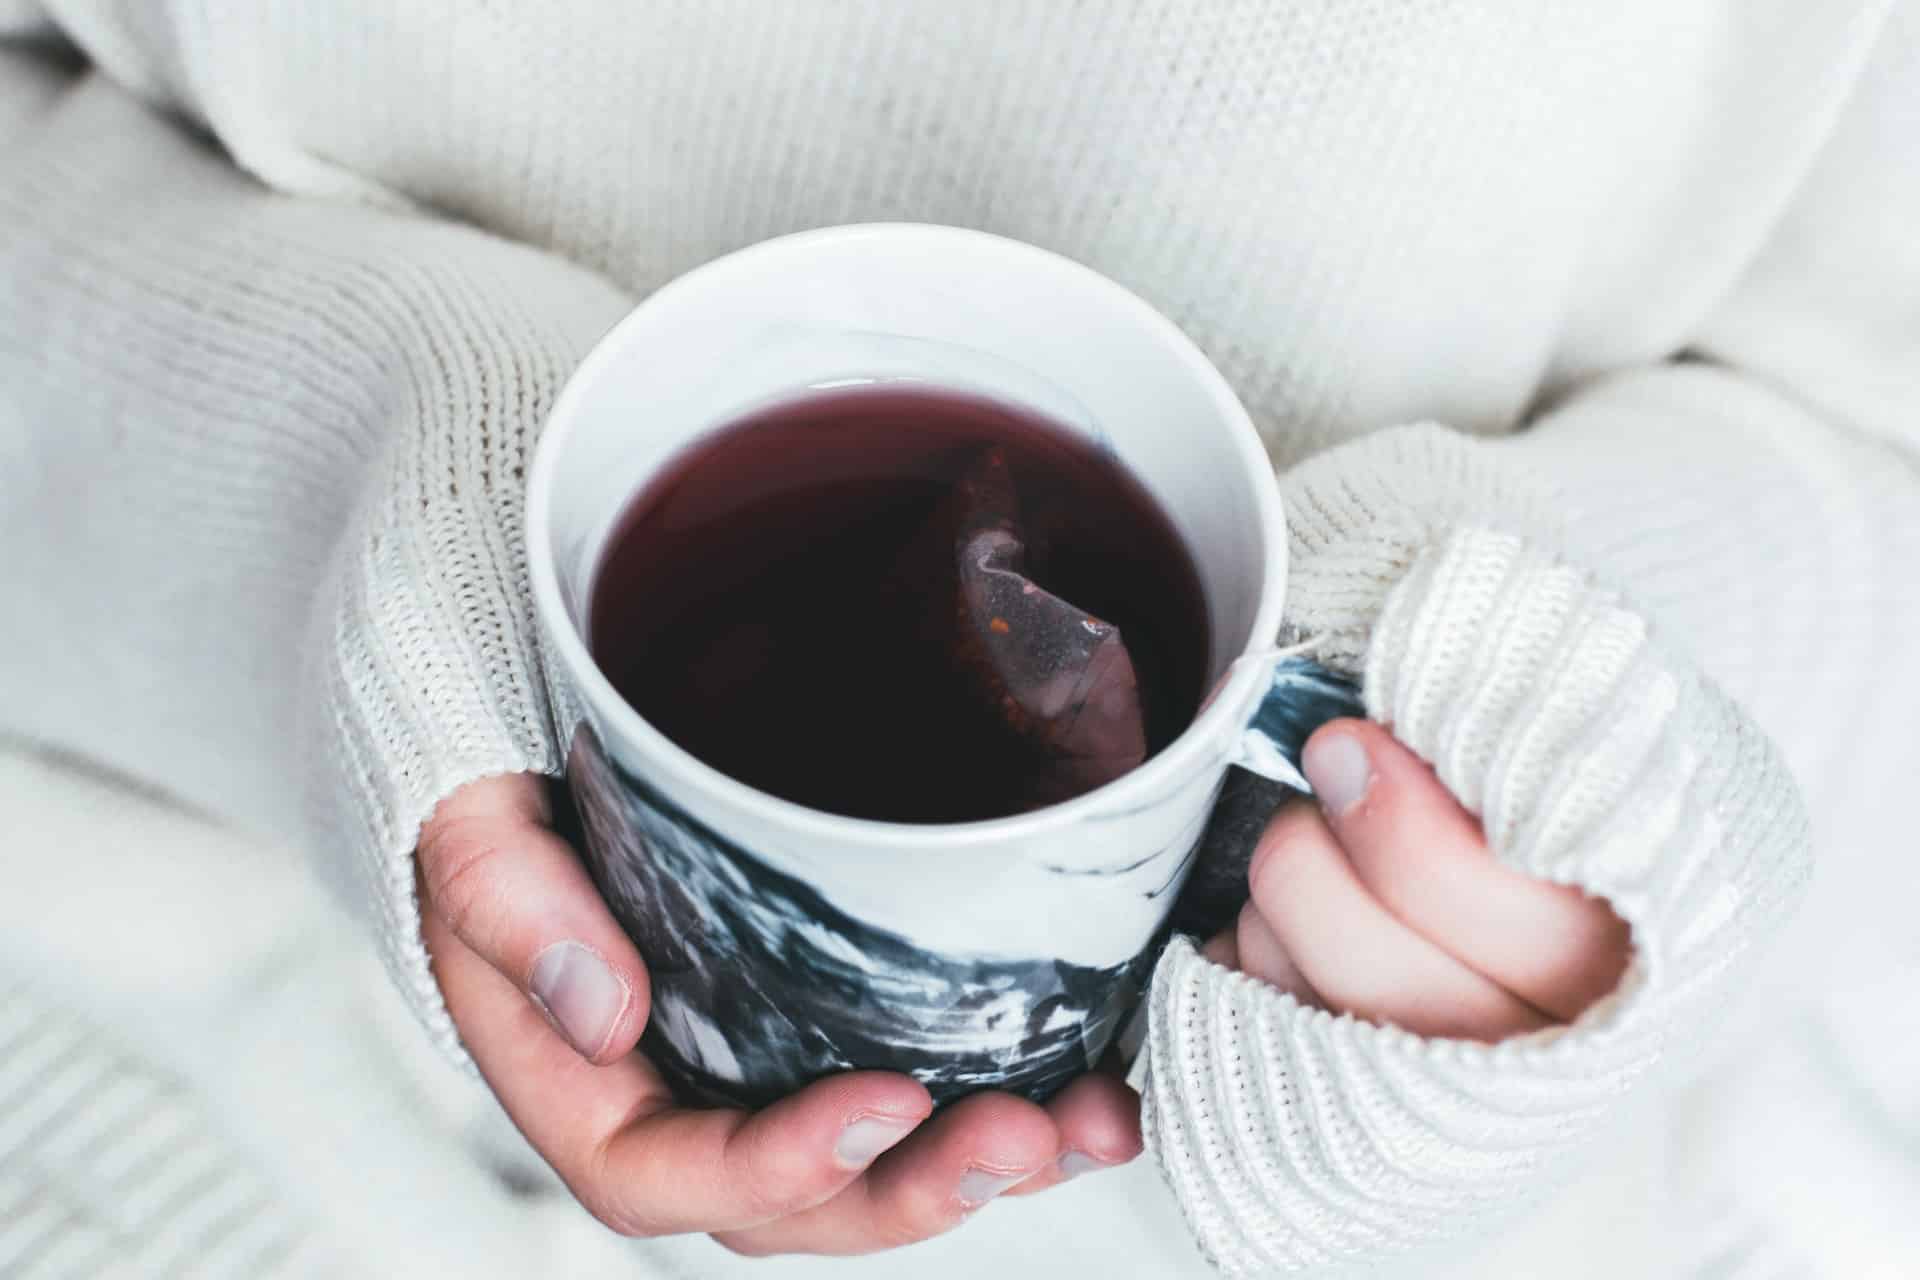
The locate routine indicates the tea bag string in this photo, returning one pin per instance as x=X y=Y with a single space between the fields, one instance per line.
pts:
x=1274 y=654
x=1280 y=653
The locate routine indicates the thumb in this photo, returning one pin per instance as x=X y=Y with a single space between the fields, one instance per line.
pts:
x=494 y=872
x=1425 y=858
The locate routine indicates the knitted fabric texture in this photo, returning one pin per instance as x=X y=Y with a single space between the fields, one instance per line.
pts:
x=365 y=384
x=110 y=1168
x=267 y=385
x=1594 y=757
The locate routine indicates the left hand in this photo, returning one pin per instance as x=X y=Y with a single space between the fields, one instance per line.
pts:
x=850 y=1164
x=1382 y=900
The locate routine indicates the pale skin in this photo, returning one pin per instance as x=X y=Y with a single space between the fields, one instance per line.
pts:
x=1378 y=900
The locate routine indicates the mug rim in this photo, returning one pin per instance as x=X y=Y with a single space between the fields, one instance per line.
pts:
x=1220 y=715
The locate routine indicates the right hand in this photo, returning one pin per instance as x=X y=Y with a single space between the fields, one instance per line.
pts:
x=550 y=998
x=1383 y=901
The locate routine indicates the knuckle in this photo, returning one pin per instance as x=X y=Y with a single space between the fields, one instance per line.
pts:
x=904 y=1212
x=456 y=864
x=922 y=1218
x=621 y=1219
x=921 y=1212
x=769 y=1177
x=1296 y=832
x=590 y=1180
x=746 y=1245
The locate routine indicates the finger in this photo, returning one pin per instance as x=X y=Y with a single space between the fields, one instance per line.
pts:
x=1353 y=952
x=972 y=1152
x=1098 y=1119
x=515 y=894
x=1261 y=956
x=1424 y=857
x=637 y=1162
x=1223 y=948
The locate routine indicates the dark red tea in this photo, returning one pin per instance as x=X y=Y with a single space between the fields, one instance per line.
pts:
x=765 y=601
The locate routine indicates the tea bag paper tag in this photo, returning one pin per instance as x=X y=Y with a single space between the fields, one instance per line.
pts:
x=1058 y=678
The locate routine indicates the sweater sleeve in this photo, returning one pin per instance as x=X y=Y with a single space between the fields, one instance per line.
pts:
x=1628 y=639
x=262 y=484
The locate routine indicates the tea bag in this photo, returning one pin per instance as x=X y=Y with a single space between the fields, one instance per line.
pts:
x=1058 y=681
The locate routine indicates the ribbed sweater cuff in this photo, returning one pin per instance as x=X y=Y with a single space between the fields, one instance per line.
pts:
x=1595 y=757
x=429 y=669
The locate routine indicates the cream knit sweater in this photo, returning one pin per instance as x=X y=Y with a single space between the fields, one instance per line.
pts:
x=286 y=290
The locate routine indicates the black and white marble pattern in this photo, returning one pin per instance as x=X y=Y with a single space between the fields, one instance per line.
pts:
x=1301 y=696
x=761 y=984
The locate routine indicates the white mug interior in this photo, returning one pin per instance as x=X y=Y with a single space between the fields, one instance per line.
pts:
x=955 y=308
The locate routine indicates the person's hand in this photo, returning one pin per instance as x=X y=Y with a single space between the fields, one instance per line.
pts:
x=1383 y=901
x=550 y=998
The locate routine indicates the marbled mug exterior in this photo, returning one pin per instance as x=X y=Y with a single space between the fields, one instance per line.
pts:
x=761 y=984
x=784 y=943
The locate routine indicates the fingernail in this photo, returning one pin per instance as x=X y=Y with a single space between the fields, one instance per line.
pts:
x=1336 y=765
x=1075 y=1163
x=580 y=995
x=862 y=1141
x=978 y=1186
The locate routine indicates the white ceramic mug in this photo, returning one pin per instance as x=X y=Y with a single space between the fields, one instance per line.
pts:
x=784 y=943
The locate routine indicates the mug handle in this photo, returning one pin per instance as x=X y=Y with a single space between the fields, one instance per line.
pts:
x=1301 y=696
